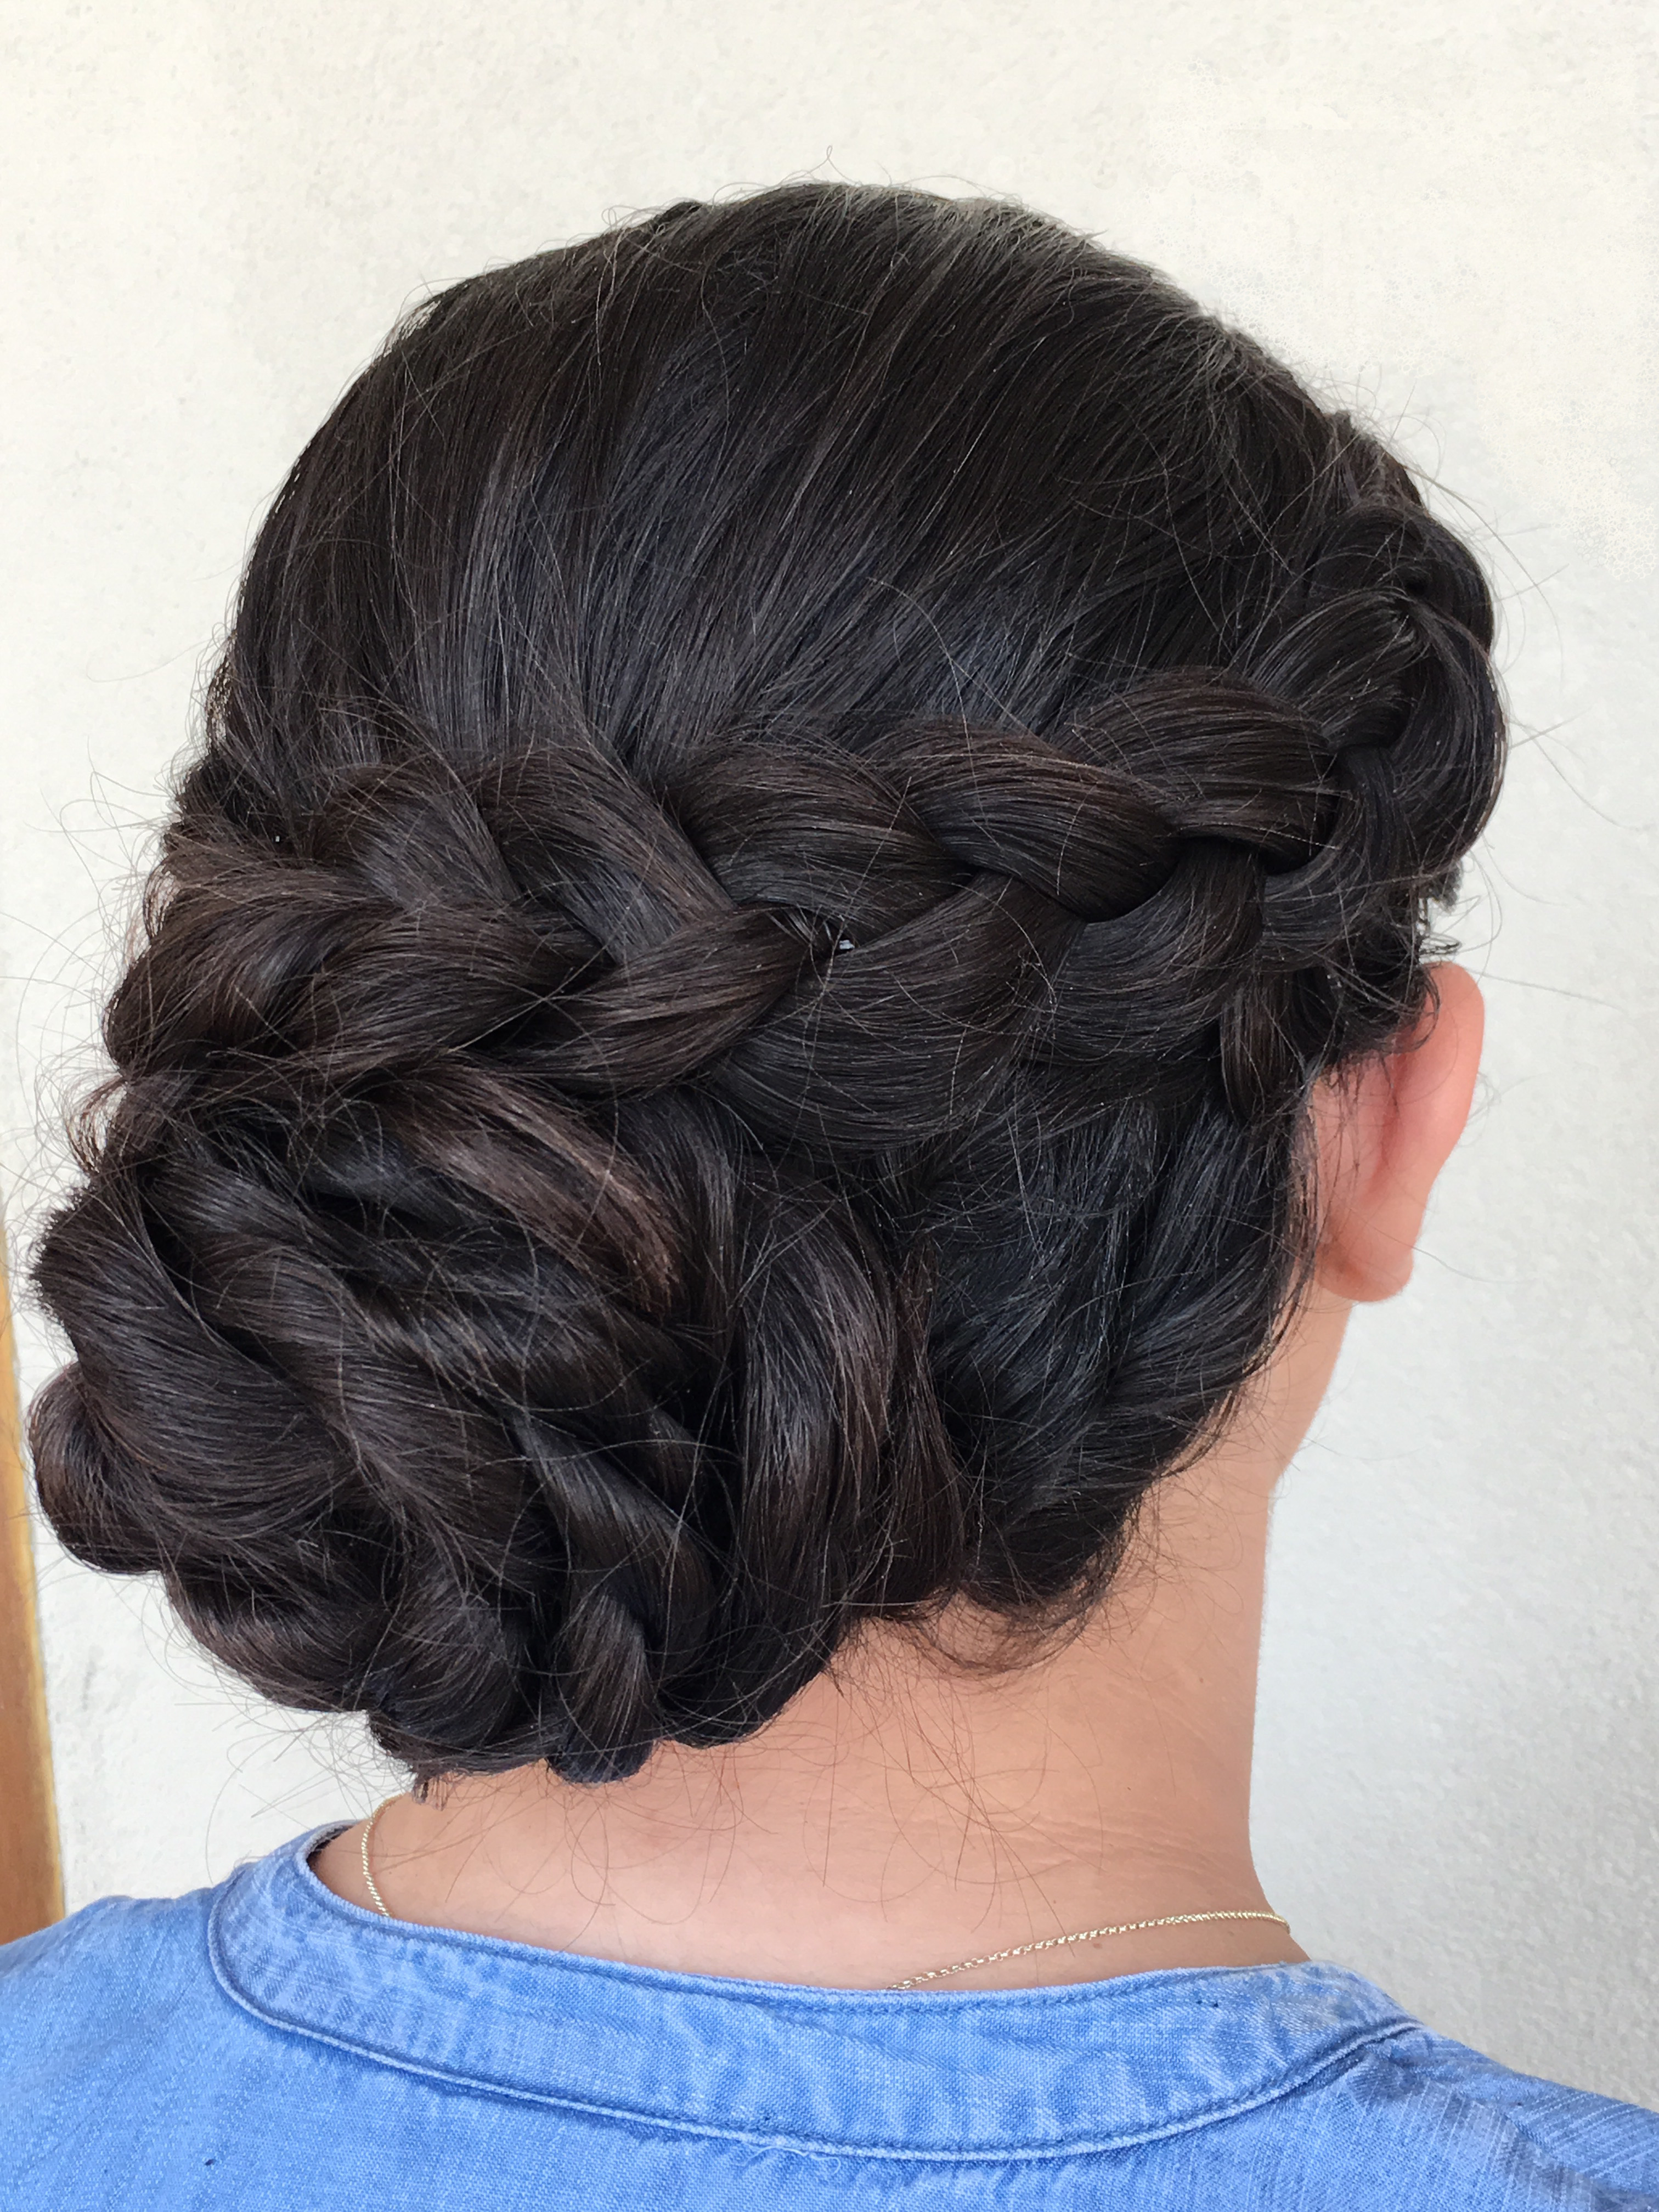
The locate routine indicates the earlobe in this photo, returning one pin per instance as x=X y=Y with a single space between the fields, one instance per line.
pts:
x=1384 y=1132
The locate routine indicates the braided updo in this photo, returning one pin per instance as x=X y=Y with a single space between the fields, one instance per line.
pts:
x=798 y=795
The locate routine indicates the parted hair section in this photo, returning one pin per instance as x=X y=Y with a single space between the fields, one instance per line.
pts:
x=720 y=1044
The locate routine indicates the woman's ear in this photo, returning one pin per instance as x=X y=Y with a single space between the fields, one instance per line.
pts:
x=1385 y=1129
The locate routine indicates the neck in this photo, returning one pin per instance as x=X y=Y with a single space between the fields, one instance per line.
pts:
x=908 y=1810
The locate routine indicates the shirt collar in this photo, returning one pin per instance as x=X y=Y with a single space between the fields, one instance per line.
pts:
x=997 y=2074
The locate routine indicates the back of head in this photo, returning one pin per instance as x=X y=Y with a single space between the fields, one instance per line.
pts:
x=799 y=796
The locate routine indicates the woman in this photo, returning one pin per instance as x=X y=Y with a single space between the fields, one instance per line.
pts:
x=792 y=995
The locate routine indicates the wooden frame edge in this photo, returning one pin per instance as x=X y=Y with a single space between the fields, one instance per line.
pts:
x=31 y=1869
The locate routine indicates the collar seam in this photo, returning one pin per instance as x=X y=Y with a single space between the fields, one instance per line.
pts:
x=830 y=2147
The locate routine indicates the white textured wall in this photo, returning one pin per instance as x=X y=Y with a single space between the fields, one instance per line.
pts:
x=215 y=208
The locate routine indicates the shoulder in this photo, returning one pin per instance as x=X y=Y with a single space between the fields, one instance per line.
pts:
x=116 y=1989
x=1532 y=2141
x=121 y=1953
x=115 y=2038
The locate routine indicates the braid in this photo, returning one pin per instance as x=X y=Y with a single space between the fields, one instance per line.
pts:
x=581 y=1222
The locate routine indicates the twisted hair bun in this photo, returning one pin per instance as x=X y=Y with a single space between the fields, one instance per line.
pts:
x=798 y=794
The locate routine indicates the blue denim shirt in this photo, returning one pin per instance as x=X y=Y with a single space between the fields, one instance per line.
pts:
x=264 y=2045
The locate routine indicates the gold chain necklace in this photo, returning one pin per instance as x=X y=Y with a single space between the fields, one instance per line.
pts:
x=369 y=1882
x=937 y=1973
x=1082 y=1936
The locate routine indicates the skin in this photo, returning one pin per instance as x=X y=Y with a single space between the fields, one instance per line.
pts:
x=908 y=1810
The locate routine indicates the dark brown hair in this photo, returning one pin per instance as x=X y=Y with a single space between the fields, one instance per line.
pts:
x=798 y=795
